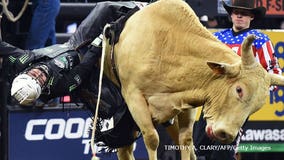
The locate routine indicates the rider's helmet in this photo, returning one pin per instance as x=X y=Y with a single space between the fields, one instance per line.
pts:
x=27 y=87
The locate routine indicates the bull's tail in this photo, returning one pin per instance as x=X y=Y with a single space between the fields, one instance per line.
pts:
x=105 y=45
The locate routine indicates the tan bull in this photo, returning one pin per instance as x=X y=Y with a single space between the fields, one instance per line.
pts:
x=168 y=63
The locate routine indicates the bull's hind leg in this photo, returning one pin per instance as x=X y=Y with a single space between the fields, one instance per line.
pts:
x=139 y=110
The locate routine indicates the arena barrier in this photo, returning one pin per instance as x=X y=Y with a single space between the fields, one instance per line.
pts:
x=55 y=134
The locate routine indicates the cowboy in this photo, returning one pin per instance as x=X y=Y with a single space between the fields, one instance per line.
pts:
x=70 y=68
x=59 y=69
x=241 y=13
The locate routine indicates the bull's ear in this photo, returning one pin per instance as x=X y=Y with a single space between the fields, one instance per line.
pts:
x=224 y=68
x=276 y=79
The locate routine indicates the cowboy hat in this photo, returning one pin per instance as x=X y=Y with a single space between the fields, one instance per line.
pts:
x=259 y=12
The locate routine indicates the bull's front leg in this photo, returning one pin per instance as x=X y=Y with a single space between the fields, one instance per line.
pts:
x=140 y=112
x=186 y=121
x=181 y=133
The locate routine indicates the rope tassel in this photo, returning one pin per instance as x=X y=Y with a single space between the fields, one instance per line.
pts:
x=95 y=157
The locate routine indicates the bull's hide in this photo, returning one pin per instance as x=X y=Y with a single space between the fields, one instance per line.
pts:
x=168 y=63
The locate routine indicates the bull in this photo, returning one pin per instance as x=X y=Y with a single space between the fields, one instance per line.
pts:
x=168 y=64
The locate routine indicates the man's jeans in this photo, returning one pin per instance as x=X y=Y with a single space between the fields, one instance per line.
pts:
x=42 y=29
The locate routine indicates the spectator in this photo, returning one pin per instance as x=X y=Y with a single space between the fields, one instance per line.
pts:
x=241 y=12
x=42 y=28
x=209 y=22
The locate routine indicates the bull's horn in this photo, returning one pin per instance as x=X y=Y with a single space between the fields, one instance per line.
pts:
x=247 y=54
x=276 y=79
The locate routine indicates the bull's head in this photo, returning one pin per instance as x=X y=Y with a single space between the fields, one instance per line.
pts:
x=242 y=93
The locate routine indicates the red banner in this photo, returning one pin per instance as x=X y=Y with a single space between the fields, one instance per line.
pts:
x=273 y=7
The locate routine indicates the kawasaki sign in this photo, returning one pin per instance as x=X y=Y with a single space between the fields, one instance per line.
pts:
x=262 y=136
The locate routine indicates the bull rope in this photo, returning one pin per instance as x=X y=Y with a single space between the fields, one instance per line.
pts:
x=99 y=94
x=9 y=14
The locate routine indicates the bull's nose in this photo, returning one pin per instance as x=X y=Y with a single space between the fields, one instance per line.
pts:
x=223 y=136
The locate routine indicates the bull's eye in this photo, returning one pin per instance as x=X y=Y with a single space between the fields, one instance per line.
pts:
x=239 y=90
